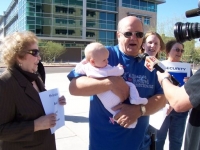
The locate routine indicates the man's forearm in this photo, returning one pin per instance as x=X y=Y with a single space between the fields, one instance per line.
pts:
x=85 y=86
x=155 y=103
x=177 y=96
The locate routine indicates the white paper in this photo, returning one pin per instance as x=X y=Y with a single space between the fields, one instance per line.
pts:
x=50 y=104
x=177 y=67
x=156 y=120
x=178 y=70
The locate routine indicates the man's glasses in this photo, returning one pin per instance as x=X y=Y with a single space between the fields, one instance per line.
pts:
x=34 y=52
x=137 y=34
x=179 y=50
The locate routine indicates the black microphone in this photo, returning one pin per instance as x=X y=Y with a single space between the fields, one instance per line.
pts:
x=192 y=13
x=160 y=69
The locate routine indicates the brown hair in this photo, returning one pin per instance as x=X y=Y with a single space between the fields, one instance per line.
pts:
x=170 y=44
x=162 y=44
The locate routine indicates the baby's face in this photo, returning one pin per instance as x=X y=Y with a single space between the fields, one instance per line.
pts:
x=102 y=60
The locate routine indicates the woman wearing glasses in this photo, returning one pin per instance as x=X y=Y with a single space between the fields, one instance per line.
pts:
x=23 y=123
x=174 y=122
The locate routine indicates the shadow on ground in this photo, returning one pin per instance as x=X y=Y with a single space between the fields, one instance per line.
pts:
x=76 y=119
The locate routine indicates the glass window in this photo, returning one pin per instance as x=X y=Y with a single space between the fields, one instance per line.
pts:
x=143 y=5
x=79 y=3
x=90 y=33
x=38 y=20
x=112 y=8
x=110 y=35
x=152 y=6
x=126 y=2
x=147 y=21
x=37 y=1
x=112 y=1
x=72 y=2
x=102 y=34
x=31 y=26
x=111 y=17
x=135 y=2
x=102 y=16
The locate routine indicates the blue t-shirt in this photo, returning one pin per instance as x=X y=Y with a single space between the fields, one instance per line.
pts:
x=104 y=135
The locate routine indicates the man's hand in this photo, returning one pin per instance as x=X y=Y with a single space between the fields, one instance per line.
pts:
x=127 y=115
x=119 y=87
x=161 y=76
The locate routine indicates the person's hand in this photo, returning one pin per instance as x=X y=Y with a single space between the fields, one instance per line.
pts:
x=127 y=115
x=119 y=87
x=186 y=79
x=161 y=76
x=45 y=122
x=62 y=100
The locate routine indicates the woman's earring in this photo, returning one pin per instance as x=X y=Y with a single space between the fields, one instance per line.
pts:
x=20 y=65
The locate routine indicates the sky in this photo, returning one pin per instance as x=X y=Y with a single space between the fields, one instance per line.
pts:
x=177 y=8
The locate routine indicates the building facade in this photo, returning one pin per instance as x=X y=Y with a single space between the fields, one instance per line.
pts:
x=75 y=23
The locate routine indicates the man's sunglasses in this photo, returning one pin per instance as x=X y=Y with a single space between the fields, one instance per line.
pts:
x=34 y=52
x=179 y=50
x=137 y=34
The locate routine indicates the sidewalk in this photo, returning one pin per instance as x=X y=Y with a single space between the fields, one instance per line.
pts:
x=75 y=134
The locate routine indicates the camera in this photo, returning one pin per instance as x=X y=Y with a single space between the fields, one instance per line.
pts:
x=188 y=31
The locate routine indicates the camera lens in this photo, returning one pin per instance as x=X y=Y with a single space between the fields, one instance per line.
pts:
x=186 y=31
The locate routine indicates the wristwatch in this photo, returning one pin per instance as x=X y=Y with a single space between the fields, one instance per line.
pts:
x=142 y=109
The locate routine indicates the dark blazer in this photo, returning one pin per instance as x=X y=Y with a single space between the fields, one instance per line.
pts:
x=20 y=105
x=41 y=71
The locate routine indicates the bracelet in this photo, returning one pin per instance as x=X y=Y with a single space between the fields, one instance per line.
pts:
x=168 y=78
x=142 y=110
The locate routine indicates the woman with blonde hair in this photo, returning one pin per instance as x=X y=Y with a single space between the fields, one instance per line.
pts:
x=23 y=123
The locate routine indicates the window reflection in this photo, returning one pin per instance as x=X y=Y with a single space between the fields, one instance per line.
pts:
x=140 y=4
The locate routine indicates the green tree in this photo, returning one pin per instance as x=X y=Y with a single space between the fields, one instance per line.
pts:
x=50 y=50
x=190 y=52
x=196 y=55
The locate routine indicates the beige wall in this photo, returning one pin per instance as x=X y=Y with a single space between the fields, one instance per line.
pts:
x=123 y=11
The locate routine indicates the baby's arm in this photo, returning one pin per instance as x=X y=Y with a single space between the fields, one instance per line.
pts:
x=115 y=70
x=80 y=67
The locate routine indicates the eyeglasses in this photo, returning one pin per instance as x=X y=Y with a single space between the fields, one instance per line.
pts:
x=137 y=34
x=34 y=52
x=179 y=50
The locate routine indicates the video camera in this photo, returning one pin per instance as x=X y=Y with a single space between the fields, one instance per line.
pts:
x=188 y=31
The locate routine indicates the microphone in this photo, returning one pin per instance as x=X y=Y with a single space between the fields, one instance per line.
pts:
x=192 y=13
x=152 y=62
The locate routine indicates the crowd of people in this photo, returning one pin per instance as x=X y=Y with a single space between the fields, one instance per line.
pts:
x=123 y=94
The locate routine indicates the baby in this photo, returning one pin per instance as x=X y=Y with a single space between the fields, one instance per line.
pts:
x=96 y=65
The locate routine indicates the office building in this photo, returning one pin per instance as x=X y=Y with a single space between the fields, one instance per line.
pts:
x=75 y=23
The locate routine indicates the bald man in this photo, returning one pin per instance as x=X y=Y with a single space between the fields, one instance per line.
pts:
x=104 y=135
